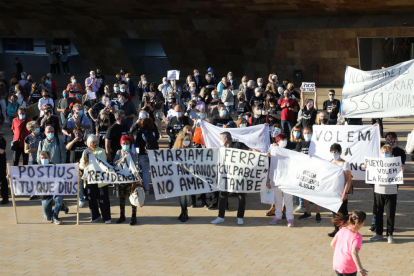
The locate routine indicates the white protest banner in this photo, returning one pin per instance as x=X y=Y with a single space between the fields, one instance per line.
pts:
x=100 y=172
x=384 y=171
x=242 y=171
x=173 y=75
x=308 y=87
x=91 y=95
x=357 y=142
x=379 y=93
x=314 y=179
x=53 y=179
x=178 y=172
x=255 y=137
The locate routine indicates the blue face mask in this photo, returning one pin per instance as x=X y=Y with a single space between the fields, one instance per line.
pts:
x=116 y=89
x=65 y=95
x=194 y=88
x=50 y=136
x=37 y=130
x=296 y=134
x=308 y=137
x=80 y=112
x=22 y=77
x=165 y=82
x=21 y=117
x=335 y=156
x=125 y=147
x=44 y=161
x=197 y=74
x=195 y=98
x=223 y=113
x=127 y=79
x=122 y=90
x=385 y=155
x=214 y=96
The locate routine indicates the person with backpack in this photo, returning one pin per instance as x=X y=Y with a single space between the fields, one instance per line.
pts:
x=336 y=151
x=347 y=244
x=147 y=139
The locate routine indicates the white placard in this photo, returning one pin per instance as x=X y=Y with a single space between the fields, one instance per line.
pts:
x=382 y=93
x=178 y=172
x=242 y=171
x=357 y=142
x=91 y=95
x=173 y=75
x=52 y=179
x=235 y=92
x=308 y=87
x=101 y=172
x=384 y=171
x=255 y=137
x=314 y=179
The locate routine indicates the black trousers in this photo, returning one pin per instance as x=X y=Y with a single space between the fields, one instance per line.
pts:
x=389 y=203
x=194 y=199
x=53 y=68
x=3 y=180
x=343 y=210
x=100 y=195
x=216 y=196
x=346 y=274
x=65 y=66
x=16 y=156
x=224 y=197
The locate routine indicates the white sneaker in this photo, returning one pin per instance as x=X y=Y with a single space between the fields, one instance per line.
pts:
x=108 y=222
x=300 y=209
x=81 y=203
x=95 y=220
x=239 y=221
x=218 y=220
x=390 y=239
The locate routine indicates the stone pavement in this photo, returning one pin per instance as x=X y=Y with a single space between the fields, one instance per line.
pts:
x=161 y=245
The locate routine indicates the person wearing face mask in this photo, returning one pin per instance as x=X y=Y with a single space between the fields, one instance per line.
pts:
x=35 y=94
x=46 y=84
x=45 y=100
x=276 y=129
x=63 y=106
x=98 y=107
x=130 y=86
x=273 y=84
x=226 y=140
x=258 y=97
x=309 y=110
x=143 y=87
x=4 y=185
x=208 y=85
x=101 y=79
x=12 y=108
x=25 y=83
x=175 y=88
x=104 y=122
x=259 y=117
x=296 y=136
x=213 y=104
x=197 y=79
x=249 y=90
x=222 y=118
x=114 y=134
x=92 y=82
x=282 y=200
x=78 y=119
x=53 y=86
x=187 y=95
x=242 y=122
x=336 y=151
x=192 y=112
x=163 y=87
x=323 y=118
x=200 y=106
x=177 y=123
x=332 y=106
x=20 y=132
x=289 y=108
x=260 y=84
x=210 y=72
x=97 y=193
x=48 y=119
x=54 y=145
x=74 y=89
x=243 y=108
x=147 y=105
x=21 y=95
x=128 y=107
x=243 y=83
x=303 y=147
x=273 y=110
x=198 y=140
x=183 y=141
x=126 y=188
x=120 y=79
x=186 y=86
x=31 y=142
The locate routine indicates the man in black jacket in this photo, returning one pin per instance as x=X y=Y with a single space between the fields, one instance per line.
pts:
x=177 y=123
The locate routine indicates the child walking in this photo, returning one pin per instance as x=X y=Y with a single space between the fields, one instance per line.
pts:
x=347 y=243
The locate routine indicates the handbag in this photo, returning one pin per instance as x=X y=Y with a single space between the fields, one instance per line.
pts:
x=137 y=197
x=267 y=196
x=15 y=144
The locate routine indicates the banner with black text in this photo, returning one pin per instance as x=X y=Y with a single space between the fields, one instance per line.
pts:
x=52 y=179
x=384 y=171
x=357 y=142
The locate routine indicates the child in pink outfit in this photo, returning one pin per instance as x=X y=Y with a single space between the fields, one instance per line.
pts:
x=347 y=243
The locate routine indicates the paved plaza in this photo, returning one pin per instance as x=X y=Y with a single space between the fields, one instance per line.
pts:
x=162 y=245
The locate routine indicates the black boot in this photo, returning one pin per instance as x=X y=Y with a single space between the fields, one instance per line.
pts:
x=180 y=216
x=332 y=234
x=184 y=218
x=133 y=219
x=121 y=218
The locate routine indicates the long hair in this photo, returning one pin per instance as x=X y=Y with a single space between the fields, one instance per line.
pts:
x=352 y=219
x=180 y=138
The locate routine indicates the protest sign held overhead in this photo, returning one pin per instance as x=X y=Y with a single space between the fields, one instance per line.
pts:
x=53 y=179
x=308 y=87
x=255 y=137
x=100 y=172
x=173 y=75
x=242 y=171
x=357 y=142
x=384 y=171
x=379 y=93
x=314 y=179
x=178 y=172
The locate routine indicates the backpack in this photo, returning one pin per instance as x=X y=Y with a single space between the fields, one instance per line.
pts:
x=150 y=140
x=226 y=96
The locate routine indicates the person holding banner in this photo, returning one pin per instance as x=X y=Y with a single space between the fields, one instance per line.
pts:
x=31 y=142
x=98 y=193
x=54 y=145
x=347 y=244
x=126 y=142
x=227 y=141
x=385 y=199
x=336 y=151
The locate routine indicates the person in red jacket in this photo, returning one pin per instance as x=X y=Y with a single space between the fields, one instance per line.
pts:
x=20 y=133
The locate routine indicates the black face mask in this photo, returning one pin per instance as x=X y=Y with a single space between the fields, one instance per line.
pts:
x=324 y=120
x=241 y=99
x=292 y=88
x=30 y=80
x=192 y=106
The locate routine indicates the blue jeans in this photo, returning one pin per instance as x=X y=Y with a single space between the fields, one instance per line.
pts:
x=47 y=206
x=229 y=109
x=287 y=127
x=184 y=202
x=143 y=162
x=299 y=202
x=81 y=192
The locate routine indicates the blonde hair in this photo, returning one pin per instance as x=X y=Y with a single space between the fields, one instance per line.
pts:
x=293 y=139
x=30 y=125
x=180 y=138
x=240 y=121
x=387 y=148
x=71 y=78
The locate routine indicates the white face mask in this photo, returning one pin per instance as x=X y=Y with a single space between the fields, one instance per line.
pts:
x=178 y=114
x=73 y=81
x=257 y=94
x=186 y=143
x=142 y=116
x=259 y=84
x=243 y=125
x=221 y=143
x=259 y=112
x=283 y=143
